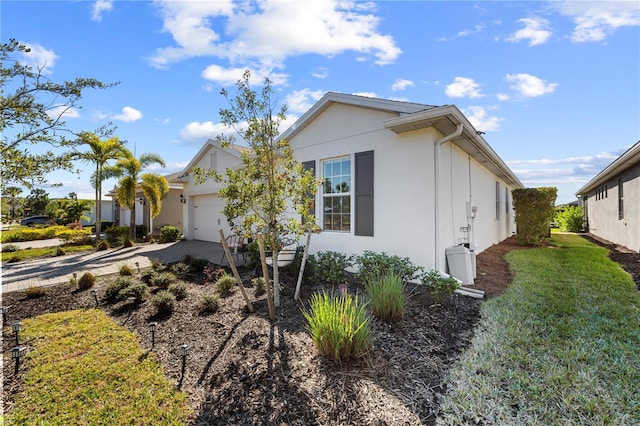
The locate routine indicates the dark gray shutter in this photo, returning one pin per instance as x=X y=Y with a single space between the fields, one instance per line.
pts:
x=310 y=166
x=364 y=193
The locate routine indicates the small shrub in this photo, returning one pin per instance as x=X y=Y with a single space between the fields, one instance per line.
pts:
x=10 y=248
x=329 y=267
x=116 y=233
x=14 y=259
x=387 y=297
x=141 y=232
x=164 y=302
x=35 y=292
x=157 y=265
x=74 y=225
x=163 y=280
x=212 y=273
x=103 y=245
x=258 y=283
x=197 y=266
x=179 y=290
x=75 y=236
x=209 y=303
x=125 y=270
x=439 y=286
x=112 y=290
x=181 y=269
x=86 y=281
x=372 y=265
x=148 y=276
x=137 y=290
x=60 y=252
x=339 y=326
x=225 y=284
x=169 y=234
x=127 y=243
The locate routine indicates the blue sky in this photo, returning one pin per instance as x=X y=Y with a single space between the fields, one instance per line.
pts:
x=555 y=86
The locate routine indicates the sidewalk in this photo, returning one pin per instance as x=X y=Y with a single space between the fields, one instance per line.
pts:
x=56 y=270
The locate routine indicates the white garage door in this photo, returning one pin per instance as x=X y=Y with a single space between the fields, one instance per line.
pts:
x=208 y=218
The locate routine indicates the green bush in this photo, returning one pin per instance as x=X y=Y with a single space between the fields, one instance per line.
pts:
x=197 y=265
x=258 y=283
x=141 y=232
x=125 y=270
x=164 y=302
x=158 y=265
x=534 y=209
x=103 y=245
x=60 y=252
x=570 y=218
x=440 y=287
x=86 y=281
x=209 y=303
x=179 y=290
x=339 y=326
x=117 y=233
x=148 y=276
x=372 y=265
x=137 y=290
x=75 y=236
x=225 y=284
x=169 y=234
x=112 y=290
x=163 y=280
x=328 y=267
x=181 y=269
x=10 y=248
x=387 y=297
x=35 y=292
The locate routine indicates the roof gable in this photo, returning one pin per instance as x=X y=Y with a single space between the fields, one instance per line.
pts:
x=233 y=150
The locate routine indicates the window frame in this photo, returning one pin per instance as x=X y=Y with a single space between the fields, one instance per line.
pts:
x=347 y=194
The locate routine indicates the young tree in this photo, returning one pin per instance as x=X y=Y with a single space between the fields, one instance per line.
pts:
x=69 y=209
x=10 y=195
x=100 y=152
x=33 y=111
x=153 y=186
x=270 y=194
x=36 y=202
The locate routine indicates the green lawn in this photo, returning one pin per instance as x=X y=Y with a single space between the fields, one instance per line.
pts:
x=561 y=346
x=87 y=370
x=38 y=253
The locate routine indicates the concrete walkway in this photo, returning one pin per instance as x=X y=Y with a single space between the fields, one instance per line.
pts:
x=56 y=270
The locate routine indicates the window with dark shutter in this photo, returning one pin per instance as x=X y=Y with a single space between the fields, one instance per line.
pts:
x=364 y=193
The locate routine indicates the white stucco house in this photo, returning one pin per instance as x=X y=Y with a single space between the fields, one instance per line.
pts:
x=402 y=178
x=611 y=201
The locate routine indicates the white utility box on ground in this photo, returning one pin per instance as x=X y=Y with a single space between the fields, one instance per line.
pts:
x=459 y=261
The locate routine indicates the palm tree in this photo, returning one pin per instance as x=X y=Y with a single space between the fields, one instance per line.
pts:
x=153 y=186
x=100 y=152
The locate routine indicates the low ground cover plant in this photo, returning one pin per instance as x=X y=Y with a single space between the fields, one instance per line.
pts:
x=225 y=284
x=58 y=391
x=164 y=302
x=440 y=287
x=37 y=253
x=209 y=303
x=339 y=325
x=558 y=348
x=372 y=265
x=328 y=267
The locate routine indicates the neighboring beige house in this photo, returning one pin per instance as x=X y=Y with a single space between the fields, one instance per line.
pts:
x=402 y=178
x=170 y=213
x=611 y=201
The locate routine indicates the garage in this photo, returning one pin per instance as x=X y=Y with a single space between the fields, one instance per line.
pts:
x=207 y=218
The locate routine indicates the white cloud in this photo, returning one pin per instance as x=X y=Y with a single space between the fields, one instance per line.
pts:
x=503 y=97
x=63 y=111
x=366 y=94
x=401 y=84
x=229 y=76
x=536 y=30
x=478 y=28
x=129 y=115
x=594 y=21
x=481 y=120
x=196 y=132
x=463 y=87
x=263 y=34
x=321 y=73
x=39 y=58
x=99 y=7
x=300 y=101
x=529 y=85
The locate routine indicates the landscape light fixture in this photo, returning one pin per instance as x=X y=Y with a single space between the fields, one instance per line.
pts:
x=184 y=351
x=17 y=353
x=95 y=296
x=75 y=278
x=183 y=200
x=4 y=310
x=131 y=300
x=138 y=266
x=153 y=325
x=16 y=330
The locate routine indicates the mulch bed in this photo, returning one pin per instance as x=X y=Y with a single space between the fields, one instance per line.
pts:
x=244 y=369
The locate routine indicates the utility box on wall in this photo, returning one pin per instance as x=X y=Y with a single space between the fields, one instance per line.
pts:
x=459 y=262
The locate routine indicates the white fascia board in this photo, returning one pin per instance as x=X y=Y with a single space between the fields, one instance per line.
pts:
x=620 y=164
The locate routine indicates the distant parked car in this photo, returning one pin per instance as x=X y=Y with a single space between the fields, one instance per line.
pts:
x=35 y=220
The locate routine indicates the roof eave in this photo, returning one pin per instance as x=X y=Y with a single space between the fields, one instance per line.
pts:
x=629 y=158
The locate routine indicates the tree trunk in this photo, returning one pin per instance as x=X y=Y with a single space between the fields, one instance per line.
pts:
x=276 y=277
x=132 y=222
x=98 y=213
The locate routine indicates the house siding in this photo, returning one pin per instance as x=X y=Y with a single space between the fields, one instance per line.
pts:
x=602 y=211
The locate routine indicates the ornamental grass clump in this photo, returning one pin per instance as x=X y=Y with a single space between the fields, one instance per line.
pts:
x=114 y=288
x=164 y=302
x=136 y=290
x=125 y=270
x=387 y=298
x=225 y=284
x=179 y=290
x=209 y=303
x=86 y=281
x=339 y=325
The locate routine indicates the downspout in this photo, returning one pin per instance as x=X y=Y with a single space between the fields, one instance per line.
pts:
x=436 y=183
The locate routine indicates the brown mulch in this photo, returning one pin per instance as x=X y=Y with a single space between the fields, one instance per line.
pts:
x=246 y=370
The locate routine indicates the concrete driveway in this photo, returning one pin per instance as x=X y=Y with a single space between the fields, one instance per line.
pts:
x=57 y=270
